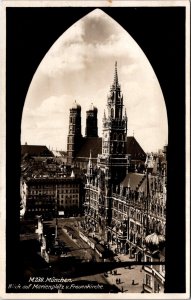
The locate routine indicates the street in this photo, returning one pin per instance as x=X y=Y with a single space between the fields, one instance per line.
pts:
x=76 y=252
x=78 y=261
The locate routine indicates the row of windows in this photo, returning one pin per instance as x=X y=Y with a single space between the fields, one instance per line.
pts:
x=37 y=202
x=133 y=213
x=67 y=186
x=38 y=209
x=68 y=191
x=50 y=192
x=135 y=227
x=44 y=199
x=67 y=201
x=50 y=200
x=117 y=215
x=41 y=192
x=72 y=196
x=64 y=185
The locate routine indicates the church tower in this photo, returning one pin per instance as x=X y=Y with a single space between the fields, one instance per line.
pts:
x=91 y=122
x=74 y=134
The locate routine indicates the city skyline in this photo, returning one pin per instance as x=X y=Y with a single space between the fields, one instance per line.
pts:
x=80 y=66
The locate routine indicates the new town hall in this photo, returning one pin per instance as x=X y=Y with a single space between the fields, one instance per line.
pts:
x=125 y=191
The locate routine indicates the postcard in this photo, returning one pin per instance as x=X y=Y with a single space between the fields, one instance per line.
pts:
x=95 y=149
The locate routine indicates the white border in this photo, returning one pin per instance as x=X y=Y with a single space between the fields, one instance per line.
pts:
x=89 y=3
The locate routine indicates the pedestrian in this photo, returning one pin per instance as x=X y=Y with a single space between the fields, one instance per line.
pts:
x=122 y=289
x=116 y=281
x=119 y=280
x=133 y=282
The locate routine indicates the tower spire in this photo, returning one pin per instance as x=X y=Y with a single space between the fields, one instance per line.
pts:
x=90 y=160
x=89 y=167
x=90 y=155
x=115 y=81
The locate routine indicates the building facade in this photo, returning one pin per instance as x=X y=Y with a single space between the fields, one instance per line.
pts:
x=154 y=275
x=123 y=207
x=52 y=197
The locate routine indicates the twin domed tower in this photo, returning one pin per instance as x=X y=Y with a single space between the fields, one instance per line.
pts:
x=75 y=138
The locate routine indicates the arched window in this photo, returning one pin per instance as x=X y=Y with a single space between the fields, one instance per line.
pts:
x=161 y=210
x=112 y=112
x=120 y=137
x=119 y=148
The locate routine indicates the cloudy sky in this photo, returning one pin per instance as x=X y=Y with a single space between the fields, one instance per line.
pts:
x=80 y=66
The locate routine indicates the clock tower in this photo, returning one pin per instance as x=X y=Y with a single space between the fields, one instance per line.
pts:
x=115 y=132
x=114 y=160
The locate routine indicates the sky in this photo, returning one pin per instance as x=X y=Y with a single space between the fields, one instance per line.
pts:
x=80 y=66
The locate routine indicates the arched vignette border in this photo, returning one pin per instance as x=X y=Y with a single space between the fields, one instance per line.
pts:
x=30 y=33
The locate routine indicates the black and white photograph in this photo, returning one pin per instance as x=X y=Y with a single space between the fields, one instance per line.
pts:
x=96 y=184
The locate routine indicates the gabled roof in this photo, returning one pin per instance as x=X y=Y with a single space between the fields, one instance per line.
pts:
x=35 y=150
x=63 y=153
x=133 y=148
x=93 y=144
x=139 y=182
x=133 y=180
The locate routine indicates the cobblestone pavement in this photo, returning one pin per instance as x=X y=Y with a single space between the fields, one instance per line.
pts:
x=125 y=276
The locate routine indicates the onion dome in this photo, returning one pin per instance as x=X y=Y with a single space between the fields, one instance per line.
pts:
x=92 y=107
x=75 y=105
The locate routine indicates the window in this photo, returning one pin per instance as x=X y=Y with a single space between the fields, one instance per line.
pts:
x=148 y=280
x=112 y=112
x=120 y=137
x=156 y=287
x=120 y=207
x=132 y=225
x=148 y=258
